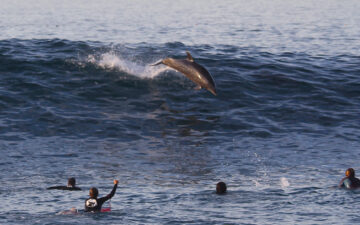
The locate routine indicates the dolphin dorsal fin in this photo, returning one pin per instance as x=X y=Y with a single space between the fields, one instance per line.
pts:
x=189 y=57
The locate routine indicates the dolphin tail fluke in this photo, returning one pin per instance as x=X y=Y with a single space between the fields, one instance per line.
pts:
x=157 y=63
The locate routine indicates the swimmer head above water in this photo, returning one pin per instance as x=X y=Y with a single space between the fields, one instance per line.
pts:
x=350 y=172
x=93 y=192
x=71 y=182
x=220 y=188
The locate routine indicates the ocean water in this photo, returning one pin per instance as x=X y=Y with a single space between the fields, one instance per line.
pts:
x=79 y=99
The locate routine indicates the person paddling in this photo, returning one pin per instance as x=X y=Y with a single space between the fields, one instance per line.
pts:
x=94 y=204
x=71 y=186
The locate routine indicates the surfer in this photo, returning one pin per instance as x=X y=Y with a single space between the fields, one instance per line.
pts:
x=71 y=186
x=93 y=204
x=220 y=188
x=350 y=181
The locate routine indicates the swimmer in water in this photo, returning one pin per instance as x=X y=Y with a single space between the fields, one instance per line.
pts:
x=350 y=181
x=220 y=188
x=71 y=186
x=93 y=204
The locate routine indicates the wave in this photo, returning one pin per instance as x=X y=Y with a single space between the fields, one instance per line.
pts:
x=285 y=91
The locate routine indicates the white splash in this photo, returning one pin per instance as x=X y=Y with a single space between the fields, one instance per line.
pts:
x=284 y=183
x=113 y=61
x=257 y=184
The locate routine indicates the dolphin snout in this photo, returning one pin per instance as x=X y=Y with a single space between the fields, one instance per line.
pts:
x=212 y=90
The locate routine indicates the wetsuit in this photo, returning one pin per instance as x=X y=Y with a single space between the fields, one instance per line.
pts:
x=94 y=204
x=350 y=182
x=66 y=188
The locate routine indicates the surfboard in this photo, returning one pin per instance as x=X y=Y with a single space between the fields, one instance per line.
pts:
x=106 y=209
x=72 y=211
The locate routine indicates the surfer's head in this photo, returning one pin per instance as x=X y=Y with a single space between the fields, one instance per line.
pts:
x=71 y=182
x=220 y=188
x=350 y=172
x=93 y=192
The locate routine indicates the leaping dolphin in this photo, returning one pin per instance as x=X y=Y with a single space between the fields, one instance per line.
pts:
x=195 y=72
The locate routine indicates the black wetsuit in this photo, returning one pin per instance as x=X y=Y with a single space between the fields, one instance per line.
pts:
x=66 y=188
x=94 y=204
x=350 y=182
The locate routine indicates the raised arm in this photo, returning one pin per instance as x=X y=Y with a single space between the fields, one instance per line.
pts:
x=112 y=193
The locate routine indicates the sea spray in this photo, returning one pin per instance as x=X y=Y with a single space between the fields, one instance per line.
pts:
x=284 y=182
x=113 y=61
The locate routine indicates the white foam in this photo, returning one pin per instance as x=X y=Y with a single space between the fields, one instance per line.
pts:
x=284 y=183
x=113 y=61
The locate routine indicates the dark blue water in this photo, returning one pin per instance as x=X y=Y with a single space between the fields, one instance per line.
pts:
x=78 y=98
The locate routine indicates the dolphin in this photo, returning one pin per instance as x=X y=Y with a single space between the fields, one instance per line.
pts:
x=195 y=72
